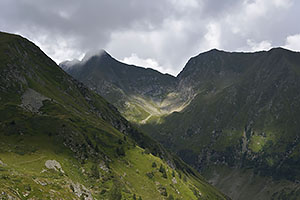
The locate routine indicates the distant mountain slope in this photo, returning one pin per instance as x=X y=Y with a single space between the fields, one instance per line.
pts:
x=259 y=100
x=238 y=110
x=139 y=93
x=246 y=114
x=59 y=140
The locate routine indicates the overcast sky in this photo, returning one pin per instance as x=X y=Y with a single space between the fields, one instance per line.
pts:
x=162 y=34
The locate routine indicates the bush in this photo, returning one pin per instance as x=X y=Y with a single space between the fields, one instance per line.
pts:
x=97 y=149
x=103 y=191
x=147 y=151
x=184 y=178
x=173 y=173
x=154 y=165
x=163 y=171
x=165 y=175
x=120 y=141
x=163 y=191
x=150 y=175
x=95 y=171
x=120 y=151
x=27 y=187
x=170 y=197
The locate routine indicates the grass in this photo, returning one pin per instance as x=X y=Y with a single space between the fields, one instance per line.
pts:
x=93 y=143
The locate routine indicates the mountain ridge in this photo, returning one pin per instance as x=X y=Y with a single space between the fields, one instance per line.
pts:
x=237 y=110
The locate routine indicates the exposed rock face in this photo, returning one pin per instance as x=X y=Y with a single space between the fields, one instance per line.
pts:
x=53 y=164
x=32 y=100
x=81 y=191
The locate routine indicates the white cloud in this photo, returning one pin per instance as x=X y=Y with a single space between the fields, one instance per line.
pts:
x=184 y=5
x=148 y=63
x=212 y=37
x=283 y=3
x=164 y=44
x=59 y=49
x=259 y=46
x=293 y=42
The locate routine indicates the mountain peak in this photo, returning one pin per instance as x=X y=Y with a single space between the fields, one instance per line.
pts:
x=65 y=65
x=215 y=50
x=98 y=53
x=279 y=50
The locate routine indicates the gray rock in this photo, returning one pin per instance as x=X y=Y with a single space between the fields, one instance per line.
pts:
x=32 y=100
x=53 y=164
x=103 y=166
x=82 y=191
x=174 y=180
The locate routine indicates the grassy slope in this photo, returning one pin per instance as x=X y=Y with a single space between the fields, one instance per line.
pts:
x=74 y=127
x=258 y=108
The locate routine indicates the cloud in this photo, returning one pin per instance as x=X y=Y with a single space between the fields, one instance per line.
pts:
x=148 y=63
x=168 y=32
x=212 y=37
x=293 y=42
x=260 y=46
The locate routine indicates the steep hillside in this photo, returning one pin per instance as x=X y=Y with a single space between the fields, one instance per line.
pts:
x=245 y=114
x=139 y=93
x=239 y=111
x=59 y=140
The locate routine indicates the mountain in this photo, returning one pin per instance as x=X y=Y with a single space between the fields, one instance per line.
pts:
x=139 y=93
x=60 y=140
x=238 y=120
x=245 y=115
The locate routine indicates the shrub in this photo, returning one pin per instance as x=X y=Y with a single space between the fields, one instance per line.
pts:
x=147 y=151
x=120 y=141
x=150 y=175
x=95 y=171
x=163 y=191
x=163 y=171
x=173 y=173
x=154 y=165
x=165 y=175
x=120 y=151
x=184 y=178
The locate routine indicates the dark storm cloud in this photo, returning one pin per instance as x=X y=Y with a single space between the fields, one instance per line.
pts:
x=160 y=33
